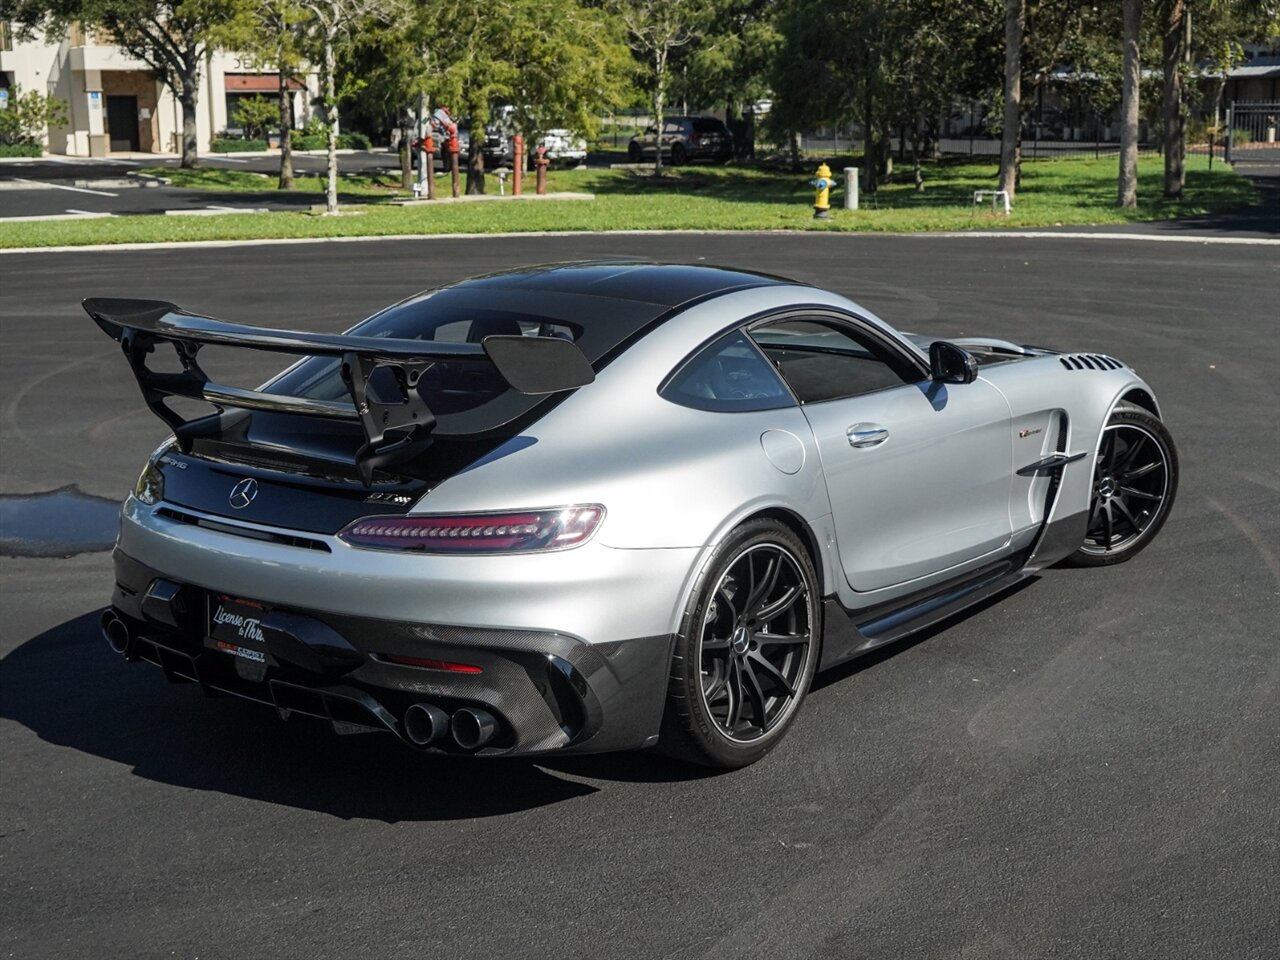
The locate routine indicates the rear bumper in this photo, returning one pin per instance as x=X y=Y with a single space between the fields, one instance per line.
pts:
x=549 y=691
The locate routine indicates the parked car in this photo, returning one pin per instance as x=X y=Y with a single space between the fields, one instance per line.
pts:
x=603 y=506
x=564 y=146
x=684 y=139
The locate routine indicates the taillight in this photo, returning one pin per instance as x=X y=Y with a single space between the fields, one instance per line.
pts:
x=523 y=532
x=430 y=663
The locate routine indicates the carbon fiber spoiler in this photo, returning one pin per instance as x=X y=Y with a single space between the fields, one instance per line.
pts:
x=394 y=429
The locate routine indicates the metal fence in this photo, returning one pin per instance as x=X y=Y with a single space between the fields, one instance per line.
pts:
x=982 y=147
x=1253 y=132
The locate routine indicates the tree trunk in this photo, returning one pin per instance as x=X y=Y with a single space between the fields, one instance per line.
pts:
x=331 y=113
x=406 y=157
x=1015 y=19
x=286 y=127
x=915 y=160
x=475 y=159
x=659 y=94
x=1175 y=138
x=870 y=146
x=188 y=95
x=1127 y=186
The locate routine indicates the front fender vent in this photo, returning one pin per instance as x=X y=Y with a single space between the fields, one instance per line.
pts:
x=1089 y=361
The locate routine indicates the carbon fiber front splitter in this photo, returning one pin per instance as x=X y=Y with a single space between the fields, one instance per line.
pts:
x=548 y=692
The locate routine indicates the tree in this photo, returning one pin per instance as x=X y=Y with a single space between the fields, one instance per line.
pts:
x=1175 y=19
x=28 y=116
x=328 y=20
x=1015 y=21
x=255 y=116
x=934 y=57
x=731 y=63
x=654 y=29
x=1127 y=187
x=1175 y=24
x=172 y=37
x=549 y=63
x=832 y=67
x=387 y=72
x=274 y=31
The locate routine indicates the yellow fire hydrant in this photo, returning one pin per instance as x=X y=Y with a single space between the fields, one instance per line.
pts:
x=822 y=183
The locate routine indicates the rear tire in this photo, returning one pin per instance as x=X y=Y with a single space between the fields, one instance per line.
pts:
x=1134 y=485
x=747 y=649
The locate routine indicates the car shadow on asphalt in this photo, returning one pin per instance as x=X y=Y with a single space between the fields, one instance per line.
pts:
x=66 y=687
x=879 y=655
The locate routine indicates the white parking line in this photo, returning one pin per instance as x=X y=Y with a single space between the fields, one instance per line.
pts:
x=41 y=185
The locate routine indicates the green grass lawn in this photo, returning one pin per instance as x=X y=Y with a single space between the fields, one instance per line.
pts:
x=1054 y=192
x=246 y=181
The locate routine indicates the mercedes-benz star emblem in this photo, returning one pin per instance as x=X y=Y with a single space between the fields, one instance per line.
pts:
x=242 y=493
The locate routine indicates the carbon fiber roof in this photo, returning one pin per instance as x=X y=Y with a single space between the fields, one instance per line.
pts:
x=662 y=284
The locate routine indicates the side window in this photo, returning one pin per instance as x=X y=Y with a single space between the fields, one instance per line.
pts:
x=826 y=361
x=727 y=375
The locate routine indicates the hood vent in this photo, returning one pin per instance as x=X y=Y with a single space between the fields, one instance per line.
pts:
x=1089 y=361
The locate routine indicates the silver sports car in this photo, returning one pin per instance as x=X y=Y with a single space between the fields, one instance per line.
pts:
x=602 y=506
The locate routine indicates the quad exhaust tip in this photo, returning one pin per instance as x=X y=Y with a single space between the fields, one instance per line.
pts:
x=116 y=632
x=473 y=728
x=425 y=723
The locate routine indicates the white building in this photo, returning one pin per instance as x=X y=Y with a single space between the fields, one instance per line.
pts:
x=115 y=103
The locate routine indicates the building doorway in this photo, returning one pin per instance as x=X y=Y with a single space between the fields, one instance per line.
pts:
x=122 y=123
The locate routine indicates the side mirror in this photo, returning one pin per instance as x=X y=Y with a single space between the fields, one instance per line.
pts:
x=951 y=364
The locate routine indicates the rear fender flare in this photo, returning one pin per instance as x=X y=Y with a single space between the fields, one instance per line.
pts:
x=817 y=533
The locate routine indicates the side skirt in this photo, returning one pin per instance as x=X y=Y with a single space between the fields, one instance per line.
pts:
x=848 y=633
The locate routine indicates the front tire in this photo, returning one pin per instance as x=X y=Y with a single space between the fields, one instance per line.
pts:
x=1134 y=485
x=747 y=649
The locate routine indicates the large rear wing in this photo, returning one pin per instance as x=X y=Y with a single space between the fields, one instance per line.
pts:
x=395 y=427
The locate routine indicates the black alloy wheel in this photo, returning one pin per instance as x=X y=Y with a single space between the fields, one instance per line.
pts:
x=1134 y=484
x=746 y=656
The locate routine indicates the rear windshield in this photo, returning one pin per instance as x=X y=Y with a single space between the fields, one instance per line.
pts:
x=465 y=397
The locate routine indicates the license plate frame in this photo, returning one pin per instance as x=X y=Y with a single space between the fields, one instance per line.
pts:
x=233 y=625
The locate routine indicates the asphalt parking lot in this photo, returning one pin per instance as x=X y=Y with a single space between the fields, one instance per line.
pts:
x=1088 y=768
x=60 y=187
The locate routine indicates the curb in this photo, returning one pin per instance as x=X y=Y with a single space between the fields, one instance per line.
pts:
x=950 y=235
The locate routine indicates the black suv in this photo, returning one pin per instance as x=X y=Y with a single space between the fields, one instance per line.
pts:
x=685 y=138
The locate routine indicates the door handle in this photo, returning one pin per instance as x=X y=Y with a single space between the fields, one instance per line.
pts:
x=863 y=435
